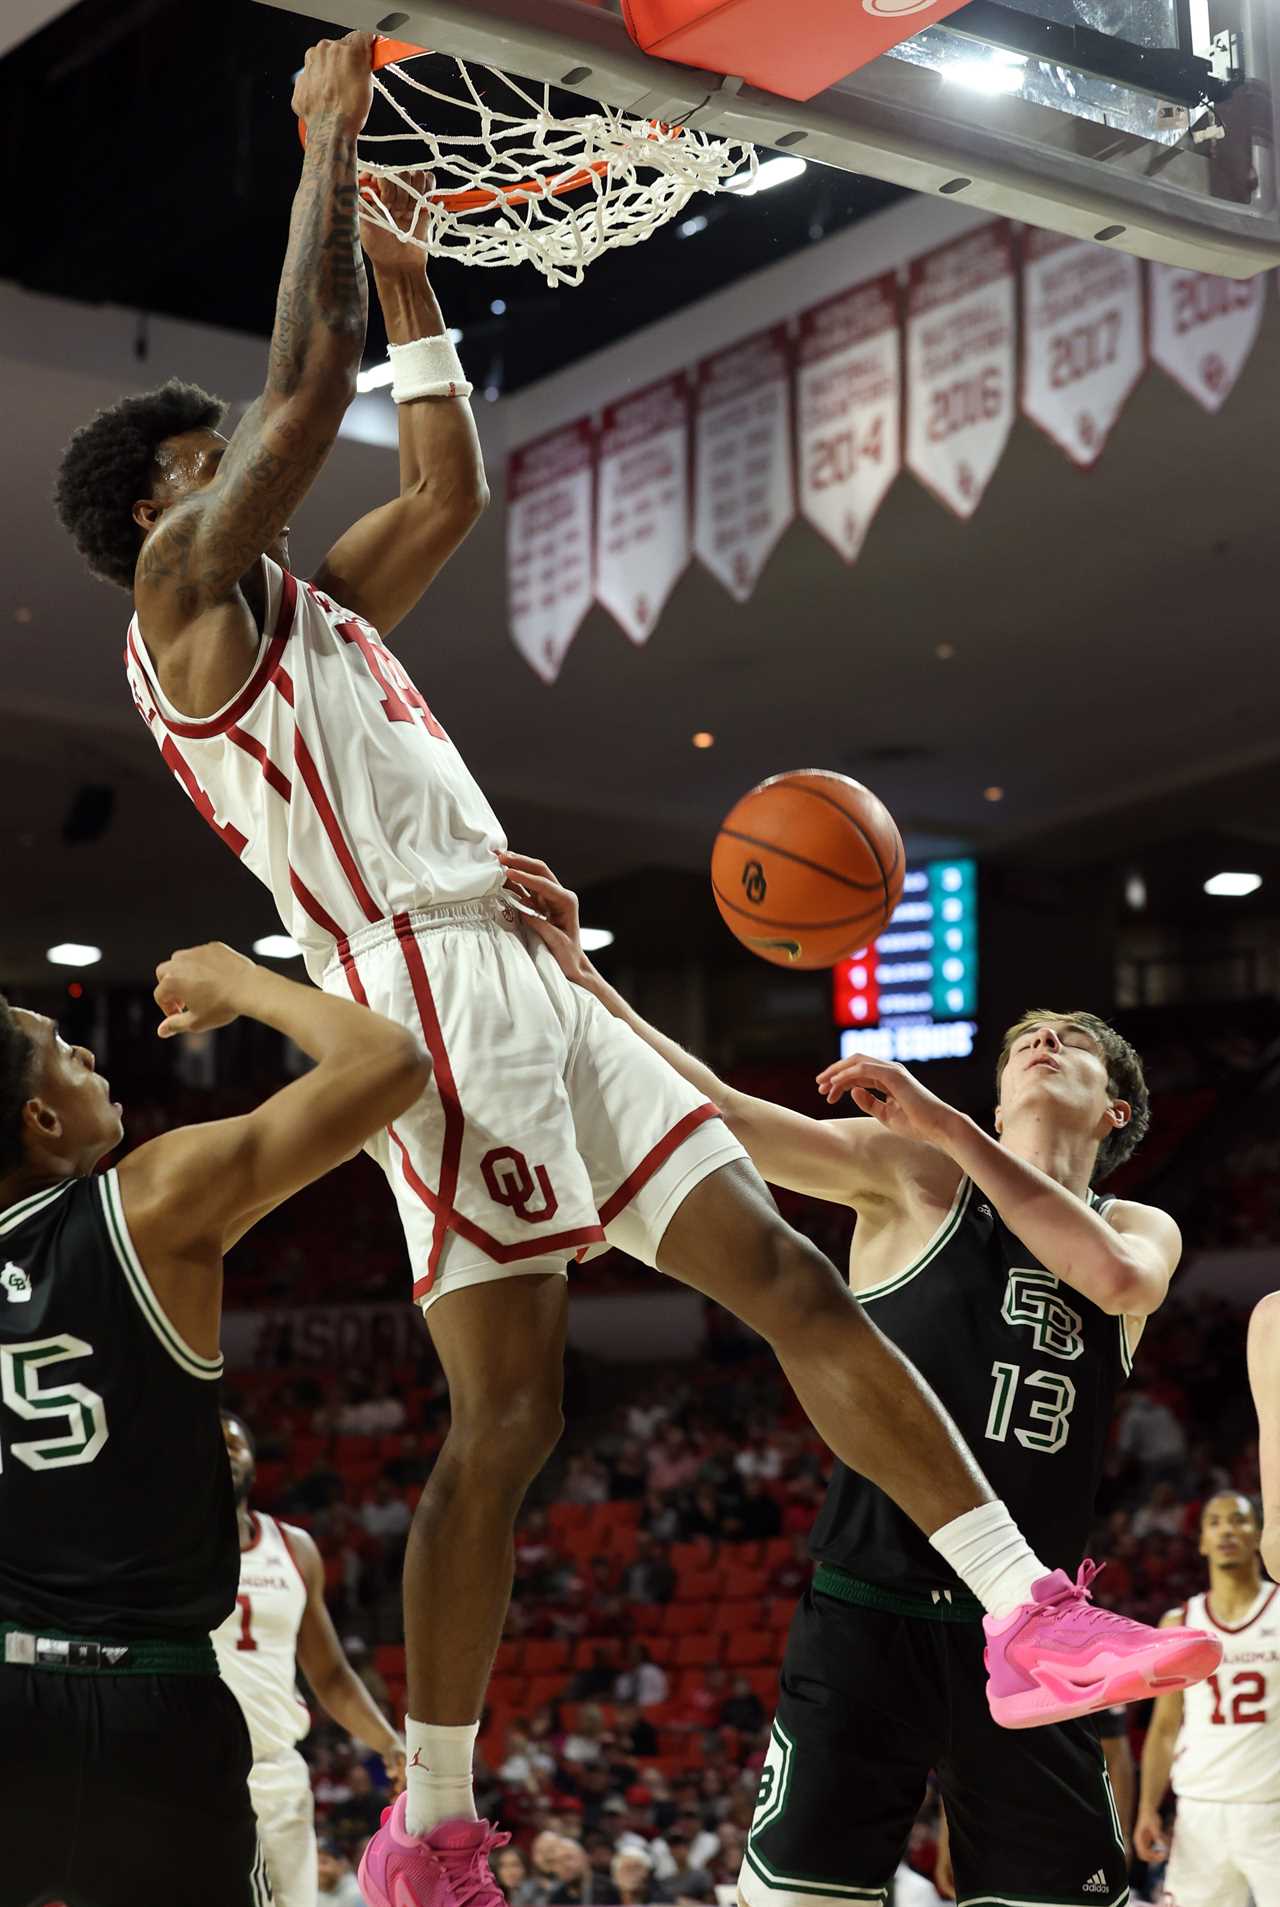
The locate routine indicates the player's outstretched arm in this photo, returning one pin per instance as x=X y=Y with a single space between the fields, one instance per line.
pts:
x=1123 y=1261
x=850 y=1161
x=1264 y=1378
x=194 y=557
x=330 y=1676
x=383 y=564
x=1157 y=1765
x=191 y=1193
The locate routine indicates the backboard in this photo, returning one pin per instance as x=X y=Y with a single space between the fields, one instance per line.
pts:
x=1145 y=124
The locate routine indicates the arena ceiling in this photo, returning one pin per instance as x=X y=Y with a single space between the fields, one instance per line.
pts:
x=1112 y=636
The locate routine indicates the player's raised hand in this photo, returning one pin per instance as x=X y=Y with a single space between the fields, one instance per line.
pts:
x=1149 y=1842
x=550 y=909
x=890 y=1094
x=385 y=248
x=336 y=81
x=199 y=988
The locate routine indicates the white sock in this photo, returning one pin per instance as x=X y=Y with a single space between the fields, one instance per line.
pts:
x=438 y=1775
x=987 y=1549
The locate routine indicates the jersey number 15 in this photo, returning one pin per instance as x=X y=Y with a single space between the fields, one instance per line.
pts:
x=72 y=1417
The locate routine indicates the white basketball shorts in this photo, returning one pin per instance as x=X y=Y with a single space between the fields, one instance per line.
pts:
x=1223 y=1853
x=549 y=1131
x=280 y=1790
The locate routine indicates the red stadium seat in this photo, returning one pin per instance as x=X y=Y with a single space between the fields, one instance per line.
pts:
x=765 y=1684
x=507 y=1660
x=687 y=1618
x=698 y=1585
x=543 y=1688
x=739 y=1583
x=749 y=1648
x=748 y=1555
x=698 y=1651
x=543 y=1656
x=563 y=1517
x=586 y=1650
x=695 y=1555
x=731 y=1617
x=505 y=1691
x=647 y=1617
x=778 y=1611
x=662 y=1648
x=778 y=1549
x=388 y=1658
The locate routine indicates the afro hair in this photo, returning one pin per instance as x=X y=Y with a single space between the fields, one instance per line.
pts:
x=107 y=466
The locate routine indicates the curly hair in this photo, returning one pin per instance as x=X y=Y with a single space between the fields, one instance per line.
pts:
x=17 y=1057
x=1125 y=1079
x=107 y=466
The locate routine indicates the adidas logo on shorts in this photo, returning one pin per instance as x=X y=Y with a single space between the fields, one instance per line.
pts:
x=1096 y=1884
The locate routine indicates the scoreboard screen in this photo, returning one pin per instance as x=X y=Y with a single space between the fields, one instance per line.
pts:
x=914 y=994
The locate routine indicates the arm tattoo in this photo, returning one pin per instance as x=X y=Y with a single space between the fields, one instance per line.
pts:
x=200 y=550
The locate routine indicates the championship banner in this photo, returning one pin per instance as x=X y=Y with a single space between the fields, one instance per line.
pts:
x=549 y=506
x=961 y=310
x=1203 y=329
x=642 y=545
x=743 y=493
x=849 y=411
x=1083 y=345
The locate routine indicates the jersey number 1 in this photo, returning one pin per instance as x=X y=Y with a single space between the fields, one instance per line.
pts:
x=245 y=1640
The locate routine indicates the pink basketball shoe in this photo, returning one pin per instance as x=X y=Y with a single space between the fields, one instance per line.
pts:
x=447 y=1868
x=1060 y=1655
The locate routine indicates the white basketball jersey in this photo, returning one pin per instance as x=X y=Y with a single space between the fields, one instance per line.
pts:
x=1229 y=1746
x=328 y=774
x=257 y=1645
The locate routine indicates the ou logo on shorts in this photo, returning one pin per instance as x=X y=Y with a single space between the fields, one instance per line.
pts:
x=510 y=1182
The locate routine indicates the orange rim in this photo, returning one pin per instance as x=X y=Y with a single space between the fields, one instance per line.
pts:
x=476 y=198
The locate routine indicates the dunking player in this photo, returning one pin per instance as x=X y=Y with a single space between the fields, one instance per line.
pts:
x=280 y=1624
x=549 y=1129
x=1220 y=1742
x=1020 y=1295
x=123 y=1759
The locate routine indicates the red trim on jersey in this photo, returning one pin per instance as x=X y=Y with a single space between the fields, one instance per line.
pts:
x=352 y=972
x=455 y=1124
x=329 y=821
x=178 y=765
x=268 y=663
x=476 y=1235
x=308 y=902
x=283 y=1534
x=256 y=1520
x=652 y=1160
x=273 y=776
x=1238 y=1628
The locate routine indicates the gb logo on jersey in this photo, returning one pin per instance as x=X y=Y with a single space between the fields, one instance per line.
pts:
x=510 y=1181
x=1034 y=1298
x=15 y=1284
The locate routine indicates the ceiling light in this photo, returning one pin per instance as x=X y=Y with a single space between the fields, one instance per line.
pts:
x=993 y=794
x=453 y=334
x=1135 y=893
x=769 y=173
x=73 y=953
x=22 y=613
x=945 y=651
x=595 y=939
x=691 y=227
x=492 y=393
x=1001 y=73
x=277 y=947
x=499 y=307
x=704 y=739
x=1233 y=884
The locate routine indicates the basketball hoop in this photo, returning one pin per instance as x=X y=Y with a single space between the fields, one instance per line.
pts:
x=530 y=186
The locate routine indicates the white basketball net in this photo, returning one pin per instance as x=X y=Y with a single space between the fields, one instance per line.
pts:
x=636 y=174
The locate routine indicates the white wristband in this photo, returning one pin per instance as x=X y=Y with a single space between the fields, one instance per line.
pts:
x=428 y=367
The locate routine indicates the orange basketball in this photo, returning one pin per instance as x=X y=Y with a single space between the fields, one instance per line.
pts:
x=807 y=868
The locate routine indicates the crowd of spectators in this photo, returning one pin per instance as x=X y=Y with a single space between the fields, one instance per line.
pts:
x=623 y=1775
